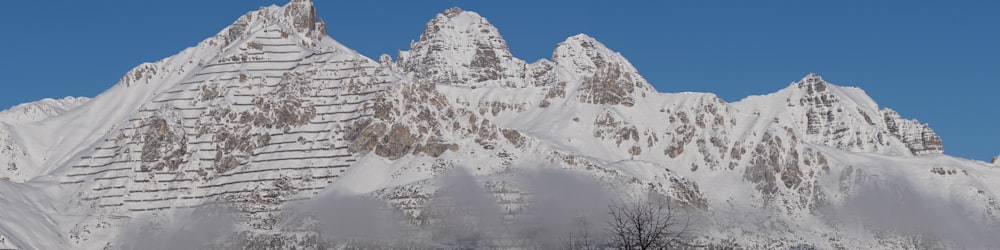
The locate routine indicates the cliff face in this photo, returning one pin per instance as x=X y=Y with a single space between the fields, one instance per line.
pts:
x=271 y=111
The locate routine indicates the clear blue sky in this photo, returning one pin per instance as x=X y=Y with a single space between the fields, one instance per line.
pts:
x=936 y=61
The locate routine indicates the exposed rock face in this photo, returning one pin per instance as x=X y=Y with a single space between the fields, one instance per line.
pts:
x=389 y=133
x=771 y=166
x=700 y=131
x=820 y=115
x=238 y=131
x=142 y=73
x=461 y=47
x=608 y=127
x=298 y=15
x=830 y=116
x=786 y=174
x=302 y=16
x=919 y=138
x=396 y=143
x=607 y=77
x=164 y=144
x=543 y=73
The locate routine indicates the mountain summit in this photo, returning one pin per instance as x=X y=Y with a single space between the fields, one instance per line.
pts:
x=460 y=47
x=271 y=115
x=607 y=77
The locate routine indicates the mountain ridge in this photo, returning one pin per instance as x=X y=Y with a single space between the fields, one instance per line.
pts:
x=39 y=110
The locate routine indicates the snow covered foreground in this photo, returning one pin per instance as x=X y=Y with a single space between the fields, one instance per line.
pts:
x=272 y=116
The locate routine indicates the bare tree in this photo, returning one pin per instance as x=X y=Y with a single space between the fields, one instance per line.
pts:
x=654 y=223
x=582 y=239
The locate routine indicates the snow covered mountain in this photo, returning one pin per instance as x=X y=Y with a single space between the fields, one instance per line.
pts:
x=272 y=112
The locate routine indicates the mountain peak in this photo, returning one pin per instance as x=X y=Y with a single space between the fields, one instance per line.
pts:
x=456 y=20
x=454 y=11
x=813 y=91
x=582 y=37
x=460 y=47
x=812 y=77
x=607 y=77
x=847 y=118
x=812 y=83
x=297 y=16
x=301 y=14
x=585 y=55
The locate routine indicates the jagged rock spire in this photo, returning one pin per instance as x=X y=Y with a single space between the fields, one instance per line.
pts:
x=812 y=77
x=301 y=14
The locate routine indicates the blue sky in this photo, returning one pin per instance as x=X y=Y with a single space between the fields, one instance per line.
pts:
x=936 y=61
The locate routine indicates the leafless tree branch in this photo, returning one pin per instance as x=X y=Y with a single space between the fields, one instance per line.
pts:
x=649 y=224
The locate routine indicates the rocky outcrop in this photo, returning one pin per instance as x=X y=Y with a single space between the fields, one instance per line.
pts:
x=404 y=123
x=238 y=131
x=164 y=144
x=774 y=163
x=142 y=73
x=608 y=127
x=298 y=16
x=786 y=174
x=543 y=73
x=919 y=138
x=302 y=16
x=820 y=116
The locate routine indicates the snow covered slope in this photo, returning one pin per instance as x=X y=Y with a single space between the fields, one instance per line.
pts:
x=39 y=110
x=13 y=156
x=271 y=112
